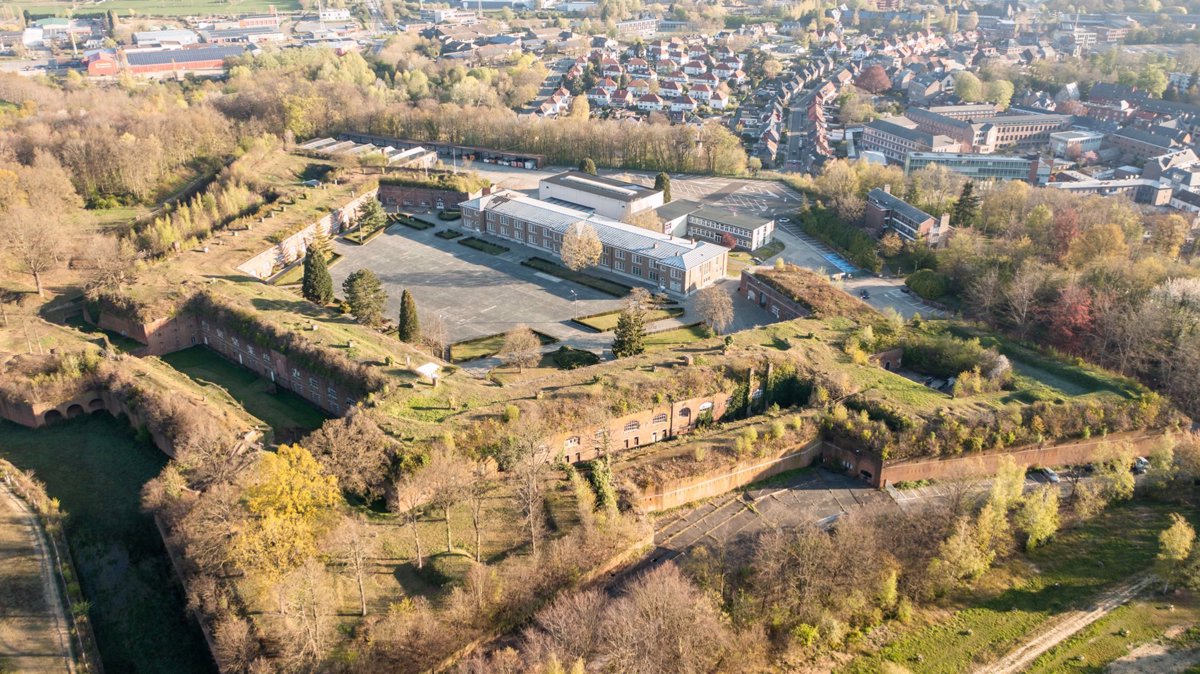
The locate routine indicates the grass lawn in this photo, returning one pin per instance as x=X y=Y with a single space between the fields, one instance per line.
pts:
x=608 y=320
x=96 y=467
x=602 y=284
x=1064 y=575
x=127 y=8
x=1138 y=622
x=485 y=347
x=119 y=341
x=295 y=274
x=286 y=412
x=669 y=339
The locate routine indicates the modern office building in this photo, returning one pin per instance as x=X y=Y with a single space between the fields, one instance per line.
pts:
x=895 y=137
x=982 y=166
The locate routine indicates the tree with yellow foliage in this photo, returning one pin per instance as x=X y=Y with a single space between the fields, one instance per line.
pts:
x=290 y=503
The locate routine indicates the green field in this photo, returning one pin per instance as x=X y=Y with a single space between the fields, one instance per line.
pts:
x=486 y=347
x=96 y=467
x=608 y=320
x=1072 y=569
x=127 y=8
x=669 y=339
x=289 y=414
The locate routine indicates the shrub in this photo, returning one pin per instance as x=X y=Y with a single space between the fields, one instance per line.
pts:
x=777 y=429
x=511 y=413
x=567 y=358
x=928 y=284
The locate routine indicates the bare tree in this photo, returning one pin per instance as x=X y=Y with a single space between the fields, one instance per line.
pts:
x=447 y=477
x=522 y=348
x=409 y=496
x=477 y=495
x=355 y=450
x=35 y=243
x=581 y=247
x=112 y=261
x=715 y=307
x=531 y=458
x=1021 y=295
x=986 y=291
x=307 y=611
x=353 y=544
x=436 y=335
x=235 y=646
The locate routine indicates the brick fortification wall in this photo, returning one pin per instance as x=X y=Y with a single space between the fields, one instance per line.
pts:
x=292 y=248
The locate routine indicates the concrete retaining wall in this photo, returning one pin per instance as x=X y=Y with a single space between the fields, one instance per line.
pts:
x=975 y=465
x=291 y=249
x=675 y=493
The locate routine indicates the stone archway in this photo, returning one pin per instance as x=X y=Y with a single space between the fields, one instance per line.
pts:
x=52 y=416
x=95 y=405
x=74 y=411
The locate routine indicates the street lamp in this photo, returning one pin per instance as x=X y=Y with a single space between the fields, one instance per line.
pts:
x=574 y=304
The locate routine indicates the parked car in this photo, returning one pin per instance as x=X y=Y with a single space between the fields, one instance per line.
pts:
x=1050 y=475
x=1141 y=465
x=784 y=220
x=906 y=290
x=865 y=295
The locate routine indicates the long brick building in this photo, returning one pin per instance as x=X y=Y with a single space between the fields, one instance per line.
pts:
x=677 y=266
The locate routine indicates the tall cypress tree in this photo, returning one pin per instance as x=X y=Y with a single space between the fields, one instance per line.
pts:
x=318 y=285
x=408 y=326
x=663 y=182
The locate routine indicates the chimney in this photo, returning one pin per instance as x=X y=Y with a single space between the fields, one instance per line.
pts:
x=887 y=188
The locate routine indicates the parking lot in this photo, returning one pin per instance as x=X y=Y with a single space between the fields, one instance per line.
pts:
x=476 y=293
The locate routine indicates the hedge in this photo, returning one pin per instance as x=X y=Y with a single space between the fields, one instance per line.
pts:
x=448 y=234
x=554 y=269
x=928 y=283
x=485 y=246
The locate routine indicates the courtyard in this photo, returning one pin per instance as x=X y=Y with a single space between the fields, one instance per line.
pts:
x=476 y=293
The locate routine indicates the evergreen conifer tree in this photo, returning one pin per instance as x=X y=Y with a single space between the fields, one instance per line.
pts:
x=317 y=285
x=409 y=327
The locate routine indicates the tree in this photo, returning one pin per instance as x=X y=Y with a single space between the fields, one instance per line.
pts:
x=317 y=285
x=1038 y=516
x=355 y=451
x=960 y=558
x=968 y=87
x=999 y=92
x=408 y=324
x=1070 y=317
x=353 y=545
x=365 y=295
x=436 y=335
x=530 y=458
x=873 y=79
x=1021 y=294
x=1007 y=485
x=715 y=308
x=370 y=216
x=890 y=244
x=966 y=209
x=36 y=244
x=630 y=333
x=581 y=247
x=447 y=477
x=1174 y=547
x=728 y=240
x=289 y=501
x=522 y=348
x=113 y=261
x=662 y=183
x=409 y=496
x=478 y=492
x=587 y=165
x=580 y=108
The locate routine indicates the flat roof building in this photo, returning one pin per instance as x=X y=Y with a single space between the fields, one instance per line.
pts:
x=611 y=198
x=674 y=265
x=982 y=166
x=887 y=211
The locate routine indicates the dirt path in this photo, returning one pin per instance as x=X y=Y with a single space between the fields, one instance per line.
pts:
x=1062 y=627
x=33 y=630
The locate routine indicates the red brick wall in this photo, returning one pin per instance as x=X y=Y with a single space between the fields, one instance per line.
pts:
x=769 y=298
x=404 y=196
x=644 y=428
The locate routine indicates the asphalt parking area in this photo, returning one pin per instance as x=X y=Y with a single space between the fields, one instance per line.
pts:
x=476 y=293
